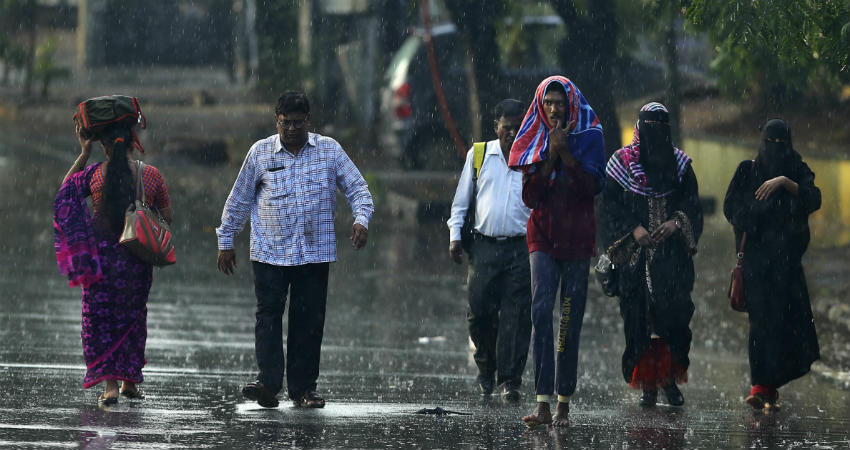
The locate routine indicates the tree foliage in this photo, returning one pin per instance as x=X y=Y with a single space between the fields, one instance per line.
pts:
x=588 y=53
x=776 y=50
x=277 y=30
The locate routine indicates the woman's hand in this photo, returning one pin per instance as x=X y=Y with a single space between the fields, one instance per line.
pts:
x=664 y=231
x=85 y=143
x=85 y=152
x=772 y=185
x=642 y=237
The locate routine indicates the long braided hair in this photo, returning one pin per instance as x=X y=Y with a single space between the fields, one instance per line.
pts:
x=119 y=188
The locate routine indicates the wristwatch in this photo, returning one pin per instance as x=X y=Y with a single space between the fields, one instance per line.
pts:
x=678 y=224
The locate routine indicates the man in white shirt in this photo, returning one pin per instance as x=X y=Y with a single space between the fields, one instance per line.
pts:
x=499 y=277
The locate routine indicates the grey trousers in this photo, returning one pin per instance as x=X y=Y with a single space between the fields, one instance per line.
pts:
x=499 y=312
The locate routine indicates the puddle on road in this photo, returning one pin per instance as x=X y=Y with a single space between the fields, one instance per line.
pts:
x=364 y=412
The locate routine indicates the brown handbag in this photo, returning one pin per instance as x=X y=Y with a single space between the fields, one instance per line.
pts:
x=146 y=234
x=736 y=283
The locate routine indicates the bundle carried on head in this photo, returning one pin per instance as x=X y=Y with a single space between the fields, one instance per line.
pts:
x=98 y=114
x=112 y=119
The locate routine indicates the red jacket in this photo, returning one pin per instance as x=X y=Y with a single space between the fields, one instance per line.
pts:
x=563 y=221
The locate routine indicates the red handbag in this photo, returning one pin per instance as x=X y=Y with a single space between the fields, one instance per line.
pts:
x=736 y=283
x=146 y=234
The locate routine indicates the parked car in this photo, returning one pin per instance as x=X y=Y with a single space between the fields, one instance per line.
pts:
x=411 y=126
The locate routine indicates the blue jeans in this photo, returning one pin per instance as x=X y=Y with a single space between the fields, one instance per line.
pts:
x=546 y=273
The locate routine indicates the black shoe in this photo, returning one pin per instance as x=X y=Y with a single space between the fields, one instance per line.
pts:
x=674 y=395
x=258 y=392
x=310 y=399
x=648 y=398
x=486 y=385
x=511 y=394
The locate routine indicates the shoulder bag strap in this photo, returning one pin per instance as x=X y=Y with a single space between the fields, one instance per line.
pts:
x=477 y=161
x=741 y=249
x=477 y=158
x=140 y=185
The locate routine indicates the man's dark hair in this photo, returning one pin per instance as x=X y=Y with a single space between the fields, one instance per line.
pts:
x=555 y=86
x=508 y=108
x=292 y=101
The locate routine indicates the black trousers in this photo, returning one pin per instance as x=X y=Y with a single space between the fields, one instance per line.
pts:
x=307 y=286
x=499 y=312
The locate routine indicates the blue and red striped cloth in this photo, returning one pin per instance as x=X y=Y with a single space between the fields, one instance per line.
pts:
x=531 y=145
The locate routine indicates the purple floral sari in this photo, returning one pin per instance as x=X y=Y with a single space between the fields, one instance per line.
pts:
x=115 y=285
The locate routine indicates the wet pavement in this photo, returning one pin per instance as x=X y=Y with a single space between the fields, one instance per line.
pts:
x=395 y=342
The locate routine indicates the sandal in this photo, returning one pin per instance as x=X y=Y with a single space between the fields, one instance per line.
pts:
x=107 y=401
x=135 y=394
x=310 y=399
x=756 y=401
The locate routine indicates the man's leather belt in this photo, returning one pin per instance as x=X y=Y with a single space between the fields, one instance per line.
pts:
x=501 y=239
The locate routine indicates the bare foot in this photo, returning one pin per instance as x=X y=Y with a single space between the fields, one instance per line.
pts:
x=562 y=415
x=540 y=416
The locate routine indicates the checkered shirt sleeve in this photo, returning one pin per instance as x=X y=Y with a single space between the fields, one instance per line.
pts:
x=291 y=201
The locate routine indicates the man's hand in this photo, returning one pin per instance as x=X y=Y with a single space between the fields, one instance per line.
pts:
x=227 y=261
x=359 y=235
x=770 y=186
x=558 y=143
x=455 y=251
x=642 y=237
x=664 y=231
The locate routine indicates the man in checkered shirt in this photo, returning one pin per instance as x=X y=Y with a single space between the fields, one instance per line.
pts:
x=287 y=187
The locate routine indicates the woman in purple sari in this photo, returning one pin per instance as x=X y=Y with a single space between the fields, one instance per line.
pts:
x=115 y=284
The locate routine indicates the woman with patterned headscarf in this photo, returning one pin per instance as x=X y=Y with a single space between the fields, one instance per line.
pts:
x=770 y=200
x=651 y=204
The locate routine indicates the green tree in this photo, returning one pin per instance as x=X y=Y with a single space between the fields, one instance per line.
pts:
x=588 y=54
x=277 y=30
x=476 y=20
x=44 y=69
x=19 y=18
x=773 y=51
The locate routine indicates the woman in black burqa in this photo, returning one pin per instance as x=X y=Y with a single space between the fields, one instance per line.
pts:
x=651 y=204
x=770 y=199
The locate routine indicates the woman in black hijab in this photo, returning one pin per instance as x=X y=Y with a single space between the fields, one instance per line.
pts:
x=654 y=217
x=770 y=200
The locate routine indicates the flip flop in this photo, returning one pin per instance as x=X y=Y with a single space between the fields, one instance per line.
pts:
x=135 y=394
x=107 y=401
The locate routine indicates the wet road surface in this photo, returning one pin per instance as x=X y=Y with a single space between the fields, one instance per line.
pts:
x=378 y=368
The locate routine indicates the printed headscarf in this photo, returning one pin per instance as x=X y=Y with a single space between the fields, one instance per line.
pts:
x=584 y=138
x=626 y=166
